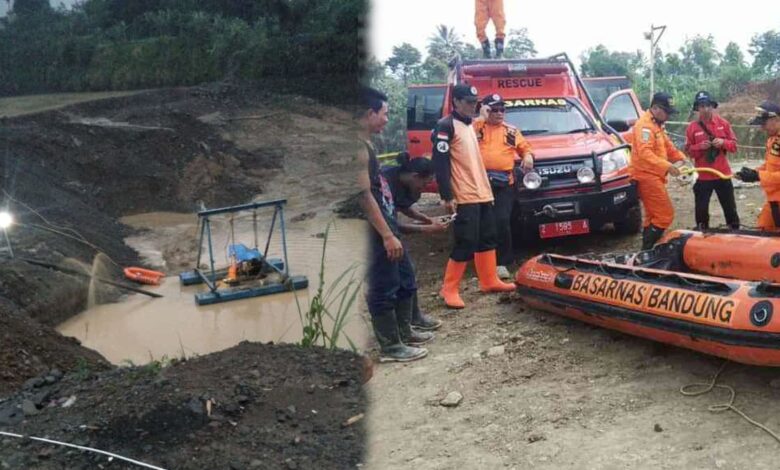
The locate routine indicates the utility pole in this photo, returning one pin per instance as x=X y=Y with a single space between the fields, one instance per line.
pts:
x=653 y=44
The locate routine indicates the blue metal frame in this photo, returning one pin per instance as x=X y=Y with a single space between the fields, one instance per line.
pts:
x=280 y=266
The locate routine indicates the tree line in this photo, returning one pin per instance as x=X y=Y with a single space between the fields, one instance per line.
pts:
x=697 y=65
x=308 y=46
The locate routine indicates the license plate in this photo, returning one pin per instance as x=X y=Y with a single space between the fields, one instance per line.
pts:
x=562 y=229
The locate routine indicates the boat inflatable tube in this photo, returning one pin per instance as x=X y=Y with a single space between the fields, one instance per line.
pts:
x=642 y=295
x=749 y=255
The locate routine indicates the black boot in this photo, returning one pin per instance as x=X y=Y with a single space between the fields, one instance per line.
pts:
x=702 y=226
x=421 y=321
x=391 y=349
x=650 y=235
x=403 y=314
x=486 y=49
x=499 y=47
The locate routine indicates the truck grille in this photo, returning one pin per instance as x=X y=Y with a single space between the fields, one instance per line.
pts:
x=560 y=174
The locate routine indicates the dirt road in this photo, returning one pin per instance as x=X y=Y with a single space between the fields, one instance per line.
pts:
x=560 y=393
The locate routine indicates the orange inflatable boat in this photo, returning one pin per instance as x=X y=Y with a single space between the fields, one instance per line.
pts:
x=144 y=276
x=659 y=294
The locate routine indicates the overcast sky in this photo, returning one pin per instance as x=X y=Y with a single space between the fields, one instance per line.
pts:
x=574 y=26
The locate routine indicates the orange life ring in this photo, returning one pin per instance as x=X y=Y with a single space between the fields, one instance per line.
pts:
x=144 y=276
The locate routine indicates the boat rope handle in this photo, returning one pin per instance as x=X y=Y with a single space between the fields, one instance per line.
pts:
x=713 y=171
x=707 y=387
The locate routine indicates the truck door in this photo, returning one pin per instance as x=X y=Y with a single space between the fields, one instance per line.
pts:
x=423 y=110
x=621 y=110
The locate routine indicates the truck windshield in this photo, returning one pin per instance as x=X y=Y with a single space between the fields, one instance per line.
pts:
x=548 y=120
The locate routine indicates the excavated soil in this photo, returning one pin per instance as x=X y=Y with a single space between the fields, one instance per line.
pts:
x=743 y=105
x=251 y=406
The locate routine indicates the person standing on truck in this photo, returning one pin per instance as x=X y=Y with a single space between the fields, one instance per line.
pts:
x=501 y=146
x=652 y=158
x=465 y=190
x=484 y=11
x=768 y=174
x=391 y=313
x=407 y=181
x=707 y=141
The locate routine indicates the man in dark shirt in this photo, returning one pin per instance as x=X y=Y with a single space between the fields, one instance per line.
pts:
x=406 y=181
x=390 y=312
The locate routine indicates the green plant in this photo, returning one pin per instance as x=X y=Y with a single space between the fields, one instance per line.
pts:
x=333 y=303
x=148 y=370
x=82 y=371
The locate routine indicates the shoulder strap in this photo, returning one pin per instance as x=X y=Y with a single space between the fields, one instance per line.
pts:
x=704 y=128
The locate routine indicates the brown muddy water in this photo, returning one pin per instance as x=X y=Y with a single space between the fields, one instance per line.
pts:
x=140 y=329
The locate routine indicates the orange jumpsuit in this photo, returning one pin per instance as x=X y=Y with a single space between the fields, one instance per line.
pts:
x=769 y=178
x=652 y=153
x=500 y=145
x=485 y=10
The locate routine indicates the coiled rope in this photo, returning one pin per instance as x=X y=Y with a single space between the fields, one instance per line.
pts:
x=696 y=389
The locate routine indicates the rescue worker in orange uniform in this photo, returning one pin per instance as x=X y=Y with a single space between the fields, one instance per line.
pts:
x=652 y=158
x=502 y=145
x=465 y=190
x=484 y=11
x=768 y=174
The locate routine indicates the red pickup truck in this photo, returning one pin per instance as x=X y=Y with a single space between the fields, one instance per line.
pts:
x=580 y=181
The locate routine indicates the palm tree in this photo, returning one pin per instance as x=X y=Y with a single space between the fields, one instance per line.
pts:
x=445 y=43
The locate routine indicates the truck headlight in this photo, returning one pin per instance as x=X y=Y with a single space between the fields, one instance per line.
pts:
x=613 y=161
x=532 y=180
x=585 y=175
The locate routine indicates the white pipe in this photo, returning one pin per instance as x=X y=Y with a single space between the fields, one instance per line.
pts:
x=88 y=449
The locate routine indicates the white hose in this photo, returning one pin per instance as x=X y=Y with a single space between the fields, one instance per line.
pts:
x=88 y=449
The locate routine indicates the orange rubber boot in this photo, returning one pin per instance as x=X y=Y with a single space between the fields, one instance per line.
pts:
x=485 y=262
x=451 y=288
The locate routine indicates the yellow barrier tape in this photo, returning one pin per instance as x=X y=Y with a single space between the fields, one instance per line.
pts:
x=387 y=158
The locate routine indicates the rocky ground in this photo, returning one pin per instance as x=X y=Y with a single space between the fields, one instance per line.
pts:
x=528 y=389
x=69 y=174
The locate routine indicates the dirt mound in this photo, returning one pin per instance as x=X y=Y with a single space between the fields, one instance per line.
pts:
x=28 y=349
x=251 y=406
x=743 y=105
x=134 y=154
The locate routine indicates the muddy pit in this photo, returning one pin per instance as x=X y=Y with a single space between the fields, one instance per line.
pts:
x=139 y=329
x=77 y=170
